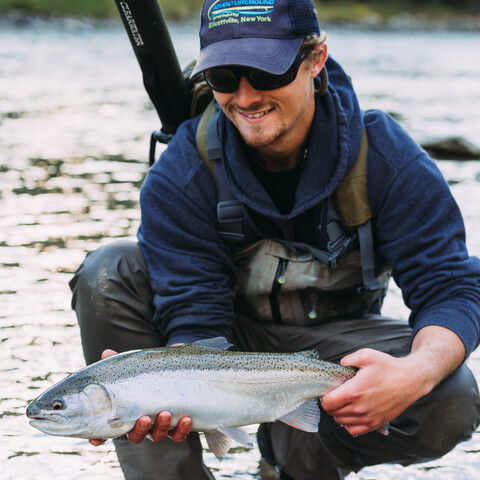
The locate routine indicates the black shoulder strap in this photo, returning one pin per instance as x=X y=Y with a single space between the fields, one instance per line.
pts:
x=229 y=210
x=365 y=239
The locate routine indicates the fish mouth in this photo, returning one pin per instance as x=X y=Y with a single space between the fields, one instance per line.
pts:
x=36 y=420
x=40 y=420
x=50 y=425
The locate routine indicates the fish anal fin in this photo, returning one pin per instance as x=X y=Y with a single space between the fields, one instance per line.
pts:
x=218 y=443
x=305 y=417
x=238 y=434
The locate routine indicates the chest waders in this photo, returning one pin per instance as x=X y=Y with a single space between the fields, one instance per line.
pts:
x=294 y=283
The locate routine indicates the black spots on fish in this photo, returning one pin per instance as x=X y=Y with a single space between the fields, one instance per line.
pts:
x=166 y=359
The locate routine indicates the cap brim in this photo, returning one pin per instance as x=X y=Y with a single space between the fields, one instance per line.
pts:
x=269 y=54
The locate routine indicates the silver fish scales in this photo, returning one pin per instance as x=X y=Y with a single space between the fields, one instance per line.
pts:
x=220 y=390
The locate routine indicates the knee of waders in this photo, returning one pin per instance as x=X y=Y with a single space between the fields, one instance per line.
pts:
x=104 y=269
x=450 y=414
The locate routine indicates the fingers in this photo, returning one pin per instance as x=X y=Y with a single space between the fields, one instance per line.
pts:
x=140 y=430
x=161 y=428
x=108 y=353
x=337 y=400
x=353 y=426
x=182 y=429
x=96 y=442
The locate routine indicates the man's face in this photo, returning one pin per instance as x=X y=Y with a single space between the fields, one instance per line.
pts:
x=274 y=120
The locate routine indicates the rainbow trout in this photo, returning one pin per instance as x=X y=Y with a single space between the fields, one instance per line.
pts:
x=221 y=390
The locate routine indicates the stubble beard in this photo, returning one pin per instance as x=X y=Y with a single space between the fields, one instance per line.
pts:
x=255 y=136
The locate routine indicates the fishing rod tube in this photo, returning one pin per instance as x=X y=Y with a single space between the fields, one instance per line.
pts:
x=162 y=75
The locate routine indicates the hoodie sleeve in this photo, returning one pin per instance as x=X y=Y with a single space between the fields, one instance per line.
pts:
x=189 y=266
x=421 y=233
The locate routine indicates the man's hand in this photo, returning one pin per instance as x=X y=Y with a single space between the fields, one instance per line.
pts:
x=385 y=386
x=379 y=392
x=161 y=427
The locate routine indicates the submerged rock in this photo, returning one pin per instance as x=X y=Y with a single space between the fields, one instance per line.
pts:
x=454 y=148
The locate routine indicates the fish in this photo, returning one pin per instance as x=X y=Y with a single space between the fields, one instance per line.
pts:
x=221 y=390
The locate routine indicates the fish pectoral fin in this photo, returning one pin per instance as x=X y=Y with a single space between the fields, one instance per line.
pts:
x=238 y=434
x=131 y=414
x=305 y=417
x=308 y=354
x=218 y=442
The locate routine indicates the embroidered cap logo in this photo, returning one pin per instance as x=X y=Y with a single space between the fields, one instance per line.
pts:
x=241 y=7
x=231 y=10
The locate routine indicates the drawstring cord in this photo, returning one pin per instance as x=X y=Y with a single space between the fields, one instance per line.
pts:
x=313 y=313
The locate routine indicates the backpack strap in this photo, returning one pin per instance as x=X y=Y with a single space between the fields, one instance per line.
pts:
x=352 y=193
x=201 y=136
x=365 y=239
x=354 y=207
x=230 y=214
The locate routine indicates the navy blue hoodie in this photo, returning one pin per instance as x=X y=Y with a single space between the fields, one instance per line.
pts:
x=417 y=225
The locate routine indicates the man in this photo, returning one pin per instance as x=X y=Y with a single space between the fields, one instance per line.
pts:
x=298 y=276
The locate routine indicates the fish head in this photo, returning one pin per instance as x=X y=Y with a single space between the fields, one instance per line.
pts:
x=71 y=410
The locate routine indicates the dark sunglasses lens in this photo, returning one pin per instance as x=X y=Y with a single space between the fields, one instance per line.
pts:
x=226 y=80
x=222 y=80
x=267 y=81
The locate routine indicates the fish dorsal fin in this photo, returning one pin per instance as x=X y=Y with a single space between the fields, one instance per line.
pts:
x=130 y=414
x=217 y=343
x=309 y=354
x=305 y=417
x=219 y=440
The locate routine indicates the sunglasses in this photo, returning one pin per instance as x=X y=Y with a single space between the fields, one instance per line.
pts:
x=227 y=79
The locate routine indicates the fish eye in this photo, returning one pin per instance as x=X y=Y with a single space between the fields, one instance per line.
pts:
x=57 y=404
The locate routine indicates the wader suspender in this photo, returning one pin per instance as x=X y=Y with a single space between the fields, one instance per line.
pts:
x=229 y=210
x=357 y=213
x=365 y=238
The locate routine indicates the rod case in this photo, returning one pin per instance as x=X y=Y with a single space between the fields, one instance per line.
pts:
x=162 y=76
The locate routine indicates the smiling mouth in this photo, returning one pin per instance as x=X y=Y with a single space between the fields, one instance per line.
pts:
x=256 y=115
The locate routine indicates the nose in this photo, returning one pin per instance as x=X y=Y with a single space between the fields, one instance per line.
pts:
x=246 y=94
x=32 y=410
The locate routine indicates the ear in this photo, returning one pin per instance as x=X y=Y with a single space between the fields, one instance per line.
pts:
x=320 y=62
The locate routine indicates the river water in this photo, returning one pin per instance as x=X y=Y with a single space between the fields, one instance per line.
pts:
x=75 y=125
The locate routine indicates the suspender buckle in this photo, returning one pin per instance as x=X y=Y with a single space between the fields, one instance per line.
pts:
x=229 y=211
x=372 y=287
x=230 y=218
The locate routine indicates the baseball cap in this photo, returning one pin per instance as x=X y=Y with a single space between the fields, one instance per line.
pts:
x=263 y=34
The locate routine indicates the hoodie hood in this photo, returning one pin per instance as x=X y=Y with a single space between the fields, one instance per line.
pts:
x=333 y=147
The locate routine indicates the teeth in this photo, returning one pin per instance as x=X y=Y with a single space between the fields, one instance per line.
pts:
x=256 y=115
